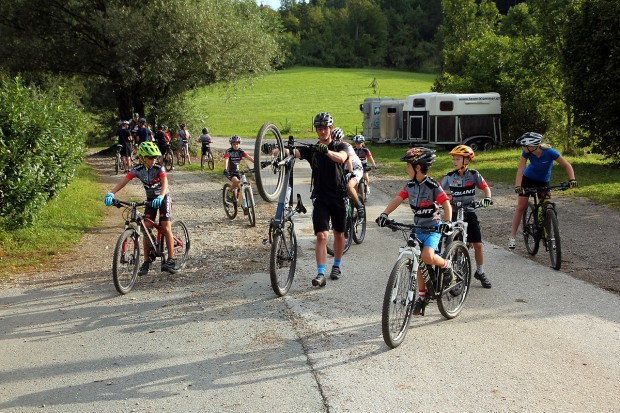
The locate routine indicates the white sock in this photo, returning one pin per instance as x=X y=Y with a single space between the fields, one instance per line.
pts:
x=480 y=270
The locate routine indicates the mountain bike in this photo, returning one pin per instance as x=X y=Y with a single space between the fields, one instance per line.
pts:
x=459 y=227
x=277 y=163
x=207 y=159
x=362 y=186
x=118 y=160
x=402 y=285
x=540 y=222
x=168 y=159
x=355 y=229
x=127 y=251
x=230 y=199
x=183 y=154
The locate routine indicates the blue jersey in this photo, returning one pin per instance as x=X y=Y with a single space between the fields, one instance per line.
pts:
x=539 y=168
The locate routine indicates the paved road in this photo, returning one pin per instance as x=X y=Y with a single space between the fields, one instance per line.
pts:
x=538 y=341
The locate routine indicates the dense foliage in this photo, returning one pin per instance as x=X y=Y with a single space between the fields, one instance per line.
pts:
x=41 y=144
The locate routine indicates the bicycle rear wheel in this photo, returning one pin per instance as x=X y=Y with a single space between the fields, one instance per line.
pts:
x=229 y=201
x=359 y=228
x=530 y=229
x=249 y=199
x=348 y=237
x=553 y=238
x=118 y=163
x=268 y=151
x=283 y=258
x=453 y=296
x=362 y=192
x=126 y=261
x=168 y=160
x=210 y=161
x=398 y=302
x=180 y=244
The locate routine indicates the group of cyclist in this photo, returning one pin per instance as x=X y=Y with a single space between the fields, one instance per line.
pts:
x=336 y=169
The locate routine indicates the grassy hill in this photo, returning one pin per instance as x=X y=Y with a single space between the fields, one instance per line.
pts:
x=290 y=98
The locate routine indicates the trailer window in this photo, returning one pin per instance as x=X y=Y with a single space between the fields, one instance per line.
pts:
x=419 y=103
x=446 y=106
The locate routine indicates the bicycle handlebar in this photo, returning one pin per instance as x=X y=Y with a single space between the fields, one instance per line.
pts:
x=118 y=203
x=562 y=186
x=396 y=226
x=472 y=204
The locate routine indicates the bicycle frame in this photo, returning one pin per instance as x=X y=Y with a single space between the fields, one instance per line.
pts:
x=141 y=227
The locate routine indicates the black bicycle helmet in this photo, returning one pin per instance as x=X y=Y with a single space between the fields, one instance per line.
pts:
x=419 y=156
x=142 y=121
x=323 y=119
x=530 y=139
x=205 y=130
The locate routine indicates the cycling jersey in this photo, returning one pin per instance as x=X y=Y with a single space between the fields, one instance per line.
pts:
x=463 y=188
x=205 y=139
x=234 y=157
x=363 y=153
x=183 y=136
x=539 y=168
x=424 y=199
x=355 y=160
x=328 y=179
x=151 y=178
x=144 y=134
x=122 y=136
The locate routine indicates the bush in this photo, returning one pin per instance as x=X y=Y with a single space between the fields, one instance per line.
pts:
x=41 y=144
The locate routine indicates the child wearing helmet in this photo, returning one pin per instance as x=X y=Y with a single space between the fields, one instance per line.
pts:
x=462 y=183
x=232 y=160
x=354 y=171
x=205 y=140
x=425 y=196
x=184 y=136
x=537 y=174
x=155 y=181
x=364 y=154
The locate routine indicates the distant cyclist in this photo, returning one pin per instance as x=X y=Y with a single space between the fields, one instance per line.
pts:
x=184 y=137
x=161 y=139
x=232 y=161
x=205 y=140
x=144 y=132
x=123 y=138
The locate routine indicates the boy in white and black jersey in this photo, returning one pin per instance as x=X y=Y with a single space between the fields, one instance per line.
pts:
x=462 y=183
x=232 y=160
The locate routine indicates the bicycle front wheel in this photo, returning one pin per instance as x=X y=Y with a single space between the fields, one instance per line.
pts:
x=229 y=201
x=362 y=192
x=398 y=302
x=126 y=261
x=359 y=228
x=283 y=259
x=268 y=151
x=530 y=229
x=553 y=238
x=453 y=296
x=249 y=199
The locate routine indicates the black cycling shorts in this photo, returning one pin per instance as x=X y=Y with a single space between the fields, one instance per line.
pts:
x=126 y=150
x=532 y=183
x=205 y=149
x=473 y=226
x=329 y=209
x=165 y=210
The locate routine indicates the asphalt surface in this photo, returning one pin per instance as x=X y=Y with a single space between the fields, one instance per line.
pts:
x=539 y=340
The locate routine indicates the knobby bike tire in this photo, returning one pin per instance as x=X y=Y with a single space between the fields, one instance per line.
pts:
x=202 y=162
x=210 y=161
x=283 y=259
x=348 y=238
x=531 y=236
x=168 y=161
x=180 y=244
x=453 y=296
x=249 y=199
x=230 y=207
x=362 y=192
x=126 y=261
x=269 y=177
x=398 y=302
x=118 y=163
x=358 y=228
x=553 y=238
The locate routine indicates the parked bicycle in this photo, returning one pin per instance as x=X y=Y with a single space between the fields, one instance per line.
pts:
x=230 y=199
x=274 y=164
x=128 y=247
x=402 y=286
x=168 y=159
x=540 y=222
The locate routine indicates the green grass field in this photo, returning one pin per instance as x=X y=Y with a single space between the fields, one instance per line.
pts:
x=290 y=98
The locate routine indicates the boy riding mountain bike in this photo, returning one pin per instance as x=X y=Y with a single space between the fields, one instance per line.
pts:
x=232 y=160
x=462 y=183
x=365 y=155
x=155 y=181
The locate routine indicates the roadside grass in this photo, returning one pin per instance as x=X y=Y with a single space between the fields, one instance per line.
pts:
x=597 y=181
x=57 y=229
x=290 y=98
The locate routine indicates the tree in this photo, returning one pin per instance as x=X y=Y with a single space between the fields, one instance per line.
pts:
x=591 y=64
x=147 y=52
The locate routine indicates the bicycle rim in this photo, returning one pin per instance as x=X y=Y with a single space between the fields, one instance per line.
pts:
x=269 y=176
x=530 y=229
x=359 y=228
x=398 y=302
x=230 y=207
x=283 y=259
x=126 y=261
x=210 y=161
x=168 y=161
x=250 y=202
x=553 y=238
x=452 y=298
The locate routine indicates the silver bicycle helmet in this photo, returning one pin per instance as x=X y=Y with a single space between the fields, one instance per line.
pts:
x=530 y=139
x=359 y=139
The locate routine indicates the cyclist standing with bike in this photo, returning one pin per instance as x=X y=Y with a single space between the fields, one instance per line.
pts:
x=184 y=137
x=462 y=183
x=329 y=192
x=155 y=181
x=425 y=196
x=537 y=174
x=205 y=140
x=354 y=171
x=123 y=138
x=232 y=160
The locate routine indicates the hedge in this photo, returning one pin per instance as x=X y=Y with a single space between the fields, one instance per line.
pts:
x=42 y=138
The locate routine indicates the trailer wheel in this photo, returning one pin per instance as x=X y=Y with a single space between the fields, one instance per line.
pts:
x=474 y=145
x=487 y=146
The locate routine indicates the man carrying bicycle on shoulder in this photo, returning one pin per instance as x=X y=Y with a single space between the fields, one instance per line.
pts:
x=155 y=181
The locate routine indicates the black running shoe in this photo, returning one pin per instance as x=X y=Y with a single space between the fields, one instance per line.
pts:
x=319 y=281
x=418 y=306
x=336 y=273
x=170 y=266
x=482 y=277
x=144 y=268
x=448 y=275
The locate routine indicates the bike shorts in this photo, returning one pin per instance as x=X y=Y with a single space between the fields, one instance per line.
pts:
x=325 y=210
x=429 y=240
x=165 y=210
x=181 y=143
x=532 y=183
x=126 y=150
x=357 y=174
x=205 y=149
x=235 y=174
x=473 y=226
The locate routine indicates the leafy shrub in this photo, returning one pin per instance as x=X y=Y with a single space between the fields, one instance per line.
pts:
x=41 y=144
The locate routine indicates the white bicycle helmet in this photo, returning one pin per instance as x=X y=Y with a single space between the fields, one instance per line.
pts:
x=530 y=139
x=337 y=134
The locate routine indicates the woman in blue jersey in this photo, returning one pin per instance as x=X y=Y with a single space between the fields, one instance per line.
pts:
x=536 y=174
